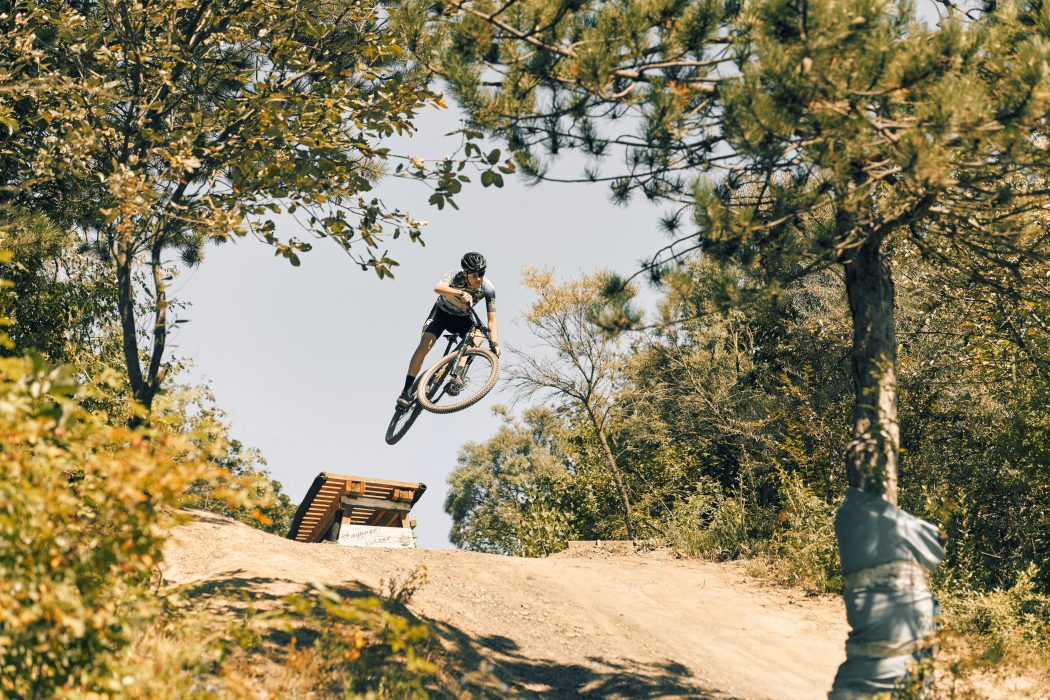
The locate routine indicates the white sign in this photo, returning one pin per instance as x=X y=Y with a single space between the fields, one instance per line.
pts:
x=375 y=536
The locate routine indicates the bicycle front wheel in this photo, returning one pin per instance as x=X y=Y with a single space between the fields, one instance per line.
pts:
x=454 y=388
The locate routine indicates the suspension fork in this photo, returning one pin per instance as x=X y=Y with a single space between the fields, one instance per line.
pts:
x=471 y=339
x=461 y=357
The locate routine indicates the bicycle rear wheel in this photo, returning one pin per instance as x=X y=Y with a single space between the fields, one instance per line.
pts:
x=401 y=422
x=478 y=377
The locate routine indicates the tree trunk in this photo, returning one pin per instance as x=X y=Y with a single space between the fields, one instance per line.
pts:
x=614 y=468
x=126 y=307
x=871 y=458
x=143 y=387
x=155 y=373
x=887 y=554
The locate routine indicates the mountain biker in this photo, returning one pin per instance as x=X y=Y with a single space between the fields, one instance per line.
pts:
x=457 y=292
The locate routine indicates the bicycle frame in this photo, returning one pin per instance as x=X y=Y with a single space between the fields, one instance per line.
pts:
x=438 y=380
x=465 y=340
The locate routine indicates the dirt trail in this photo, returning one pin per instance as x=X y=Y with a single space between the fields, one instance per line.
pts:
x=592 y=621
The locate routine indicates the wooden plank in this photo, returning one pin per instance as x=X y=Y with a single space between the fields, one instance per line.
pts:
x=358 y=501
x=318 y=518
x=331 y=476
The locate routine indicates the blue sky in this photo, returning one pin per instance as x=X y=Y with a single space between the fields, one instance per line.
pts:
x=308 y=361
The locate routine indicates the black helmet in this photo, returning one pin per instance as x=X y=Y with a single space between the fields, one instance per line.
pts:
x=473 y=262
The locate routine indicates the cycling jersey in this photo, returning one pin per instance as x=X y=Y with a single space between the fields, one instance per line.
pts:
x=457 y=307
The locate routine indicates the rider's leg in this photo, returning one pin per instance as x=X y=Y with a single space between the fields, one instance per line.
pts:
x=426 y=342
x=433 y=327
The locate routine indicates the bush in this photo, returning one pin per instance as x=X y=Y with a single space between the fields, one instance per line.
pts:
x=798 y=541
x=803 y=545
x=1008 y=623
x=544 y=527
x=711 y=524
x=83 y=510
x=320 y=643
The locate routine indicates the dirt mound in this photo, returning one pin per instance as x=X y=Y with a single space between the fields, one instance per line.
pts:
x=604 y=549
x=600 y=619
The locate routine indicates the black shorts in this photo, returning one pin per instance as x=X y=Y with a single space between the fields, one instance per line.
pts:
x=440 y=321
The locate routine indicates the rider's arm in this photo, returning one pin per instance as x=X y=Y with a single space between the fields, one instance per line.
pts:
x=490 y=305
x=445 y=290
x=493 y=331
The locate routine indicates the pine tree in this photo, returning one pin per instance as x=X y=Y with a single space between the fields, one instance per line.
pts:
x=791 y=135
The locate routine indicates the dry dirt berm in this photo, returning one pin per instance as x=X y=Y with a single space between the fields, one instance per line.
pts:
x=601 y=620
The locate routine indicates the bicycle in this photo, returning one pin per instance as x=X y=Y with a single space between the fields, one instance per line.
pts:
x=462 y=366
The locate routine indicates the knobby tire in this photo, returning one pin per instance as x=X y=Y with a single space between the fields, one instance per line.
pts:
x=396 y=431
x=480 y=354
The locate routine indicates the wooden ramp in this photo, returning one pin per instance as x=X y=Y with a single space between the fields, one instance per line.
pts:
x=357 y=500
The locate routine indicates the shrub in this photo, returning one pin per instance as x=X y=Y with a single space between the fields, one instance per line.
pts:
x=1009 y=622
x=318 y=643
x=803 y=545
x=544 y=527
x=83 y=510
x=362 y=646
x=797 y=541
x=711 y=524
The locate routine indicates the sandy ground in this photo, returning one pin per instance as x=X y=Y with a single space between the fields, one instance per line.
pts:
x=595 y=621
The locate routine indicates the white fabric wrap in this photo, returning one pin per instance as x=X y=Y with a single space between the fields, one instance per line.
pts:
x=887 y=557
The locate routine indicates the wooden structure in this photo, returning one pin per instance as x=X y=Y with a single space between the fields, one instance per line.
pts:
x=336 y=502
